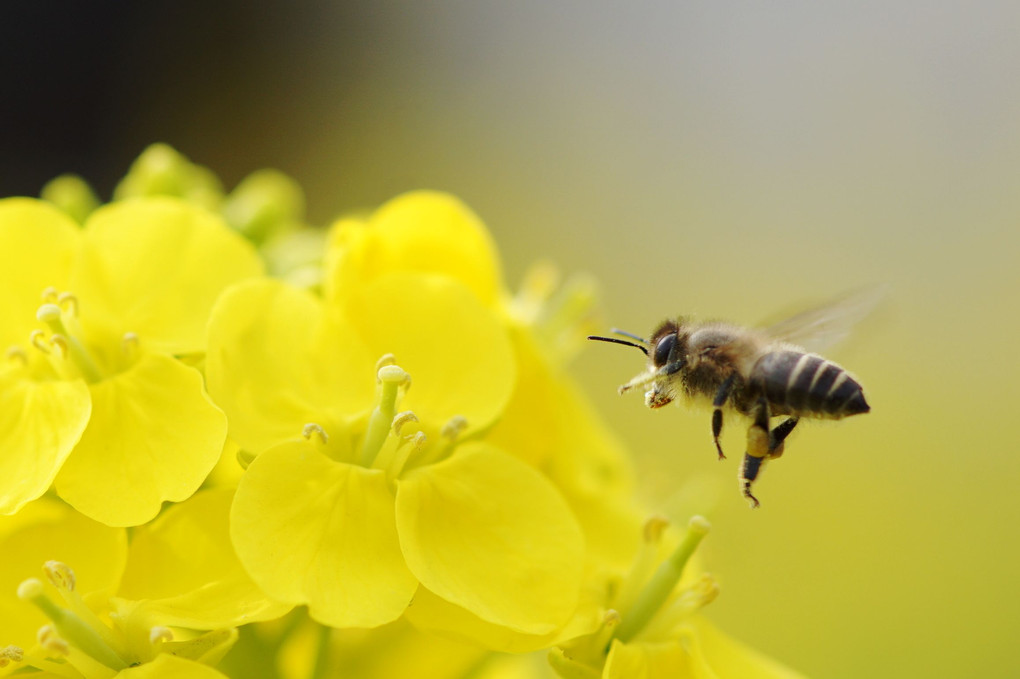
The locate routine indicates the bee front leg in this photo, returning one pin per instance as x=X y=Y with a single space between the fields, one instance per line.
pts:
x=757 y=449
x=778 y=436
x=720 y=400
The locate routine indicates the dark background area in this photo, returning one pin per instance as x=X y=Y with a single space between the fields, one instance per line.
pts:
x=88 y=85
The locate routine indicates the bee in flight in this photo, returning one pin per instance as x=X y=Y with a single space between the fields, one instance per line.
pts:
x=758 y=372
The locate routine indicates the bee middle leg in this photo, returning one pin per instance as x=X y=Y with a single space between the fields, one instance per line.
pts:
x=758 y=448
x=717 y=403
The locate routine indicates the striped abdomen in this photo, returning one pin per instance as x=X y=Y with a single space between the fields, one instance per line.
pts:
x=796 y=383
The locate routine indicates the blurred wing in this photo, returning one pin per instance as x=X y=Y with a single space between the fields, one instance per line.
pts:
x=825 y=326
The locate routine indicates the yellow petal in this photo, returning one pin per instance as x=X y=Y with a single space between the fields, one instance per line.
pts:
x=490 y=534
x=50 y=530
x=429 y=612
x=317 y=532
x=717 y=656
x=166 y=666
x=153 y=437
x=184 y=570
x=40 y=423
x=38 y=244
x=455 y=349
x=275 y=364
x=649 y=661
x=155 y=266
x=576 y=451
x=422 y=231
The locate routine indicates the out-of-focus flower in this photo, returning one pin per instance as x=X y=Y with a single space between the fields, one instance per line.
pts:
x=91 y=392
x=123 y=606
x=651 y=627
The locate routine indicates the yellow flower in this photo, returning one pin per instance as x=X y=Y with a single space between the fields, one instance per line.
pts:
x=91 y=392
x=121 y=605
x=375 y=506
x=547 y=422
x=651 y=627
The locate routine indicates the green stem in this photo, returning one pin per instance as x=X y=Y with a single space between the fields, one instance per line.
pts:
x=662 y=582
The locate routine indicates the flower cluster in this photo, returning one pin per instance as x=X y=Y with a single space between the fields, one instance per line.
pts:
x=232 y=444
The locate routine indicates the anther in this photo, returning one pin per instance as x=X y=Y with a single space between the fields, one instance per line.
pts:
x=60 y=575
x=385 y=360
x=51 y=641
x=418 y=440
x=400 y=419
x=50 y=294
x=68 y=302
x=11 y=654
x=16 y=354
x=159 y=635
x=59 y=342
x=129 y=344
x=312 y=429
x=654 y=527
x=454 y=427
x=38 y=340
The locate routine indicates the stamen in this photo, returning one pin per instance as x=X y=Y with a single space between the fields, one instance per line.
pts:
x=400 y=419
x=68 y=302
x=10 y=654
x=130 y=345
x=385 y=360
x=59 y=575
x=645 y=562
x=311 y=429
x=159 y=635
x=51 y=315
x=661 y=585
x=71 y=627
x=38 y=340
x=50 y=295
x=404 y=453
x=16 y=354
x=454 y=427
x=654 y=528
x=51 y=642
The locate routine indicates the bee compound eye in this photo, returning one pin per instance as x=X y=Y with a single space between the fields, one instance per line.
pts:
x=663 y=349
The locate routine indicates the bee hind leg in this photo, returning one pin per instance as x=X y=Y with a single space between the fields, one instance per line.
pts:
x=717 y=403
x=777 y=437
x=758 y=445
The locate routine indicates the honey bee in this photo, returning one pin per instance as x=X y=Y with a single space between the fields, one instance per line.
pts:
x=760 y=373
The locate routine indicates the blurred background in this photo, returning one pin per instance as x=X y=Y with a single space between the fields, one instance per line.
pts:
x=730 y=160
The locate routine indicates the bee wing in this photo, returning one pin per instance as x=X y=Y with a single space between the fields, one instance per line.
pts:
x=824 y=326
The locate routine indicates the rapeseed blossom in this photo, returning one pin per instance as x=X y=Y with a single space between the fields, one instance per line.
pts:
x=95 y=396
x=407 y=478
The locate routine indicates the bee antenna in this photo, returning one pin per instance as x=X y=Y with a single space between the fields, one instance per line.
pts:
x=619 y=341
x=639 y=338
